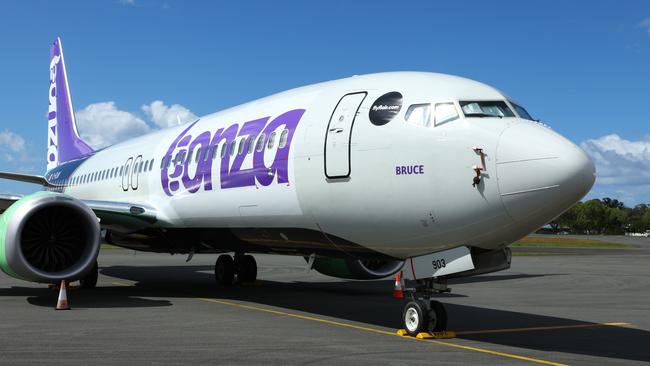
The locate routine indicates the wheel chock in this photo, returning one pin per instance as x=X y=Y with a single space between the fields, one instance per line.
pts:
x=436 y=335
x=424 y=335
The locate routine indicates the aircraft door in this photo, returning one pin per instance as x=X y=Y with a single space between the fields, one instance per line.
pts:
x=135 y=172
x=339 y=134
x=126 y=174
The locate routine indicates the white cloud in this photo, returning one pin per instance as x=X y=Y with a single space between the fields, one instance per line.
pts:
x=102 y=124
x=14 y=151
x=166 y=116
x=620 y=161
x=645 y=24
x=622 y=168
x=12 y=141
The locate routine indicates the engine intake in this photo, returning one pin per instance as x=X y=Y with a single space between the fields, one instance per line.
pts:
x=48 y=237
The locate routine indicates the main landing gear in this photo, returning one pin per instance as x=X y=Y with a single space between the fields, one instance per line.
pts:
x=421 y=313
x=241 y=269
x=90 y=281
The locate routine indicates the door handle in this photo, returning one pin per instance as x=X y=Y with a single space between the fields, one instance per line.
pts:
x=336 y=129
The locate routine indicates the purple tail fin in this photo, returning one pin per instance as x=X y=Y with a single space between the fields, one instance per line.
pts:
x=63 y=141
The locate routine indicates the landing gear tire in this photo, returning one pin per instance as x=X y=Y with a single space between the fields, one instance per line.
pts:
x=247 y=269
x=224 y=270
x=419 y=317
x=437 y=317
x=415 y=317
x=90 y=281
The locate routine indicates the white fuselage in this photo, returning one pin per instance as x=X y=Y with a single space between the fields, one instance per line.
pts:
x=400 y=189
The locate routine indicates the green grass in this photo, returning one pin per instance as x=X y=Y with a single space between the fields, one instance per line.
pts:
x=108 y=246
x=537 y=254
x=560 y=242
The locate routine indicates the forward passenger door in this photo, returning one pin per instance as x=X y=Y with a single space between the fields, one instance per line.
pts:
x=338 y=135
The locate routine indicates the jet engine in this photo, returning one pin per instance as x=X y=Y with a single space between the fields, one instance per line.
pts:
x=357 y=269
x=48 y=237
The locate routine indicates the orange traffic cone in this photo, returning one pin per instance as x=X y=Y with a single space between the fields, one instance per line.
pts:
x=398 y=292
x=62 y=303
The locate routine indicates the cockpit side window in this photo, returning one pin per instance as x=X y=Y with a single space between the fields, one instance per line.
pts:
x=497 y=108
x=521 y=111
x=445 y=112
x=419 y=114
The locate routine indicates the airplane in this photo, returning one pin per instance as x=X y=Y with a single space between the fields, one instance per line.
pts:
x=425 y=174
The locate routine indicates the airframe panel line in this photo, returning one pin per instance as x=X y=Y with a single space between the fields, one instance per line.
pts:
x=379 y=331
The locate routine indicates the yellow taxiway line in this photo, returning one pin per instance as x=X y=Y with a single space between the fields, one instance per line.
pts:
x=530 y=329
x=379 y=331
x=119 y=283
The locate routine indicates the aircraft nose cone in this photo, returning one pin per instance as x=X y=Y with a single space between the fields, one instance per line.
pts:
x=540 y=173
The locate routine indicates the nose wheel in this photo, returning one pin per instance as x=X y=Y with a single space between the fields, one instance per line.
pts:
x=422 y=316
x=241 y=269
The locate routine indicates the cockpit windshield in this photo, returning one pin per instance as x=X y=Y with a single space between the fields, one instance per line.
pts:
x=521 y=111
x=497 y=108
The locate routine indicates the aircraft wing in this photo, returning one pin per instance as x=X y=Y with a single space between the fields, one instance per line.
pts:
x=120 y=216
x=7 y=200
x=27 y=178
x=123 y=216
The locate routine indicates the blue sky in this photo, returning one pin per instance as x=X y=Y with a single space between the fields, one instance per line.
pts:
x=582 y=67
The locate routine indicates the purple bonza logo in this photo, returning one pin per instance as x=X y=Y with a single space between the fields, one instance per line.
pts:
x=232 y=175
x=52 y=152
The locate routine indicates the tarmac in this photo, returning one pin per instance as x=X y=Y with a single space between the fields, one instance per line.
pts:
x=154 y=309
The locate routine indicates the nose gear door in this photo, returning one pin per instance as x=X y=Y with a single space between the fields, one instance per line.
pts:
x=339 y=134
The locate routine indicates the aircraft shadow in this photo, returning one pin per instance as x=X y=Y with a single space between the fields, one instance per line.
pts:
x=368 y=302
x=101 y=297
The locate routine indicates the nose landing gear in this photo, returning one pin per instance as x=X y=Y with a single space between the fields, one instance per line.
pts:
x=241 y=269
x=422 y=314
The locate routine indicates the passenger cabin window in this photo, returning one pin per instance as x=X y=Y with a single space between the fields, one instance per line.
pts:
x=419 y=114
x=223 y=150
x=260 y=143
x=445 y=112
x=271 y=140
x=242 y=145
x=283 y=138
x=497 y=108
x=251 y=144
x=522 y=112
x=232 y=147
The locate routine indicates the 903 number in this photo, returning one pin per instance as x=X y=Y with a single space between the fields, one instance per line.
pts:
x=438 y=264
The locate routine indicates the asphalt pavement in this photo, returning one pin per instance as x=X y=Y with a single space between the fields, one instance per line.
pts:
x=156 y=309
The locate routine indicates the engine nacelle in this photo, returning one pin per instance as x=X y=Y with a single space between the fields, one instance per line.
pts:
x=364 y=269
x=48 y=237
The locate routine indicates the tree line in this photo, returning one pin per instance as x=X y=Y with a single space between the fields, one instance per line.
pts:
x=603 y=216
